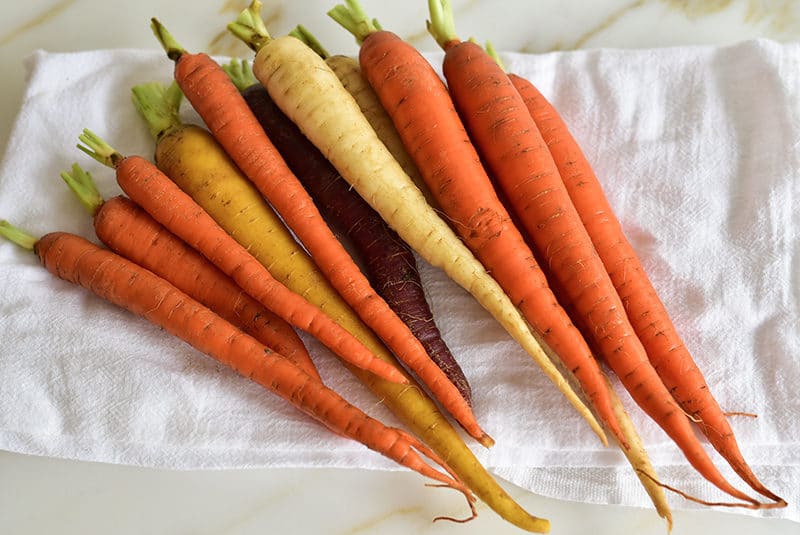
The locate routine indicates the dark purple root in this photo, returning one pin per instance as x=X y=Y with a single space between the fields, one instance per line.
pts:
x=388 y=261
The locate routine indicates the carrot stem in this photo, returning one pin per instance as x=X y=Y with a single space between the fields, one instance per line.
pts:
x=494 y=55
x=304 y=34
x=82 y=184
x=241 y=74
x=159 y=104
x=250 y=28
x=442 y=24
x=98 y=149
x=170 y=44
x=354 y=19
x=17 y=235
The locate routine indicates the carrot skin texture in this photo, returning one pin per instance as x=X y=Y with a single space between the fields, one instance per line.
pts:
x=456 y=178
x=143 y=293
x=130 y=232
x=389 y=262
x=205 y=85
x=519 y=161
x=167 y=204
x=349 y=73
x=338 y=129
x=234 y=199
x=650 y=320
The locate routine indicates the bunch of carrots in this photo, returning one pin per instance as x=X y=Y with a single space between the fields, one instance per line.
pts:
x=235 y=236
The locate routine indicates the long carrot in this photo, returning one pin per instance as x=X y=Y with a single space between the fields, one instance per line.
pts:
x=130 y=232
x=332 y=120
x=650 y=320
x=166 y=203
x=388 y=261
x=223 y=109
x=191 y=157
x=143 y=293
x=415 y=97
x=519 y=161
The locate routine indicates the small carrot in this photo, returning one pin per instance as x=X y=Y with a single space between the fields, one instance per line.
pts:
x=223 y=109
x=191 y=157
x=332 y=120
x=145 y=294
x=388 y=261
x=415 y=97
x=130 y=232
x=166 y=203
x=650 y=320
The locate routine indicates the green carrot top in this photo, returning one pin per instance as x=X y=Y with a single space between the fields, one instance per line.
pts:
x=82 y=184
x=354 y=19
x=442 y=26
x=17 y=235
x=171 y=46
x=241 y=73
x=94 y=146
x=159 y=105
x=250 y=27
x=302 y=33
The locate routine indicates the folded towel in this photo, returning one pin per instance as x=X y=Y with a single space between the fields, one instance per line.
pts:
x=698 y=149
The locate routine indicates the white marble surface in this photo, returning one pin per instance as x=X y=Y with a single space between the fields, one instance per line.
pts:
x=39 y=495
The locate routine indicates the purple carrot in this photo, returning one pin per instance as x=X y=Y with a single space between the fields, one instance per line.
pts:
x=388 y=261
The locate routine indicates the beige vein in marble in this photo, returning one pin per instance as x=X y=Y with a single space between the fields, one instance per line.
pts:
x=698 y=8
x=603 y=25
x=785 y=14
x=234 y=6
x=46 y=15
x=370 y=525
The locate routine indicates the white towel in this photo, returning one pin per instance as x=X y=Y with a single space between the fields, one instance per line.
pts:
x=699 y=152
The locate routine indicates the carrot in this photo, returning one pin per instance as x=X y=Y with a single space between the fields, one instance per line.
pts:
x=348 y=72
x=332 y=120
x=415 y=97
x=388 y=261
x=191 y=157
x=520 y=163
x=130 y=286
x=646 y=312
x=223 y=109
x=166 y=203
x=130 y=232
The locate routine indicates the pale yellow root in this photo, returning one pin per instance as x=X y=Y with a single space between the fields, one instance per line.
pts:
x=311 y=95
x=349 y=73
x=639 y=460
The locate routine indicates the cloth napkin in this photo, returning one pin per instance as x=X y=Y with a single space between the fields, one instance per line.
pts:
x=698 y=149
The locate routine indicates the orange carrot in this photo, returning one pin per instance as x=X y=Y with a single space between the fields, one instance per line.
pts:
x=218 y=102
x=148 y=187
x=130 y=232
x=512 y=148
x=648 y=316
x=143 y=293
x=415 y=98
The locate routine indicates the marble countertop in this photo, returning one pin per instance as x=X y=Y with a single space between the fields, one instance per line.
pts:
x=40 y=495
